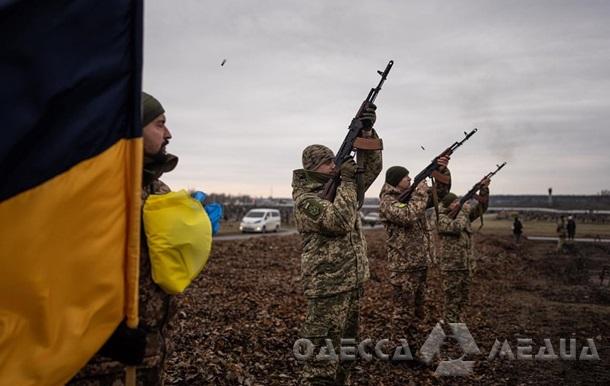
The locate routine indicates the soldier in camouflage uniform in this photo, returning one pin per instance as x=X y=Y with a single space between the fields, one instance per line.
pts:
x=333 y=263
x=148 y=346
x=409 y=244
x=455 y=234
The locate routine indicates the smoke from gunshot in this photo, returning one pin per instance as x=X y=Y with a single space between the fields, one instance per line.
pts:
x=480 y=102
x=501 y=139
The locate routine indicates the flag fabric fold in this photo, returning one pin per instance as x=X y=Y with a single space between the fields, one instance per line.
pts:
x=70 y=172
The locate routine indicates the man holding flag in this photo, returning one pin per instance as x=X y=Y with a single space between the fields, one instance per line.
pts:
x=147 y=346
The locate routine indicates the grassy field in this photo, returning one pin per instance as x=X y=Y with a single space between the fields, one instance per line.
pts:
x=539 y=228
x=492 y=226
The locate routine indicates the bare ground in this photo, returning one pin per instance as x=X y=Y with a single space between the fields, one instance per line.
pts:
x=238 y=322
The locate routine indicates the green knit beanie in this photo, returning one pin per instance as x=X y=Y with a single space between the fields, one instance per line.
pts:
x=448 y=199
x=151 y=108
x=395 y=174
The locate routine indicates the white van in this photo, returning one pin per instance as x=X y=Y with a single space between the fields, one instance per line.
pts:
x=261 y=220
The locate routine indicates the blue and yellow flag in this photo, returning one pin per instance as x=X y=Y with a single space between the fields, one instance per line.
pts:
x=70 y=172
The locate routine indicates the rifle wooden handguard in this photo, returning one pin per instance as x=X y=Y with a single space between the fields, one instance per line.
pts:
x=368 y=144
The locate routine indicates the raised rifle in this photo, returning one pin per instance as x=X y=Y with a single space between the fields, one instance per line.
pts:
x=427 y=172
x=353 y=132
x=475 y=188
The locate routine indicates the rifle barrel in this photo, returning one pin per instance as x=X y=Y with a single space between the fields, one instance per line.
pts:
x=384 y=76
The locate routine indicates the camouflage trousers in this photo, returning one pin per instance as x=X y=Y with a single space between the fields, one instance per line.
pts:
x=409 y=297
x=456 y=288
x=333 y=317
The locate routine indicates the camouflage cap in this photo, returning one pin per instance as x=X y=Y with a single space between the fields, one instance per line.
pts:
x=316 y=155
x=448 y=199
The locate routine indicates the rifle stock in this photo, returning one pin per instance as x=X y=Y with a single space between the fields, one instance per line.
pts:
x=330 y=188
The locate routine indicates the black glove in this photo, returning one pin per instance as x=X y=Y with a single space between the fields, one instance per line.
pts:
x=368 y=116
x=348 y=170
x=126 y=345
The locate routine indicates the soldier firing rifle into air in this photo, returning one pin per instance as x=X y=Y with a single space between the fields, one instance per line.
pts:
x=355 y=139
x=473 y=192
x=431 y=169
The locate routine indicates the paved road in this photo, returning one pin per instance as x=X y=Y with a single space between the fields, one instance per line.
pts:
x=286 y=232
x=544 y=238
x=244 y=236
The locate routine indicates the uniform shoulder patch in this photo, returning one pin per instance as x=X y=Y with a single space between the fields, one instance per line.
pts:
x=400 y=204
x=312 y=208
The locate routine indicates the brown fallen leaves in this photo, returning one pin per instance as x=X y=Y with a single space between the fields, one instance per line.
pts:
x=238 y=321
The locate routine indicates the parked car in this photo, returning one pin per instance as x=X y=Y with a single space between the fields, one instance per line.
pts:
x=261 y=220
x=372 y=219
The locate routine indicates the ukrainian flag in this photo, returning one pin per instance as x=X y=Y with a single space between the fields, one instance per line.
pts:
x=70 y=171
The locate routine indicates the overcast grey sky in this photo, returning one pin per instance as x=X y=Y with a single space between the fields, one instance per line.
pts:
x=533 y=76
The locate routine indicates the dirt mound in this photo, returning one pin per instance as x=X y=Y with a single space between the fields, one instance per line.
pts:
x=238 y=322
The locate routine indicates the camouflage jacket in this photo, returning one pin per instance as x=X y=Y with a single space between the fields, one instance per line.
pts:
x=408 y=236
x=442 y=188
x=334 y=249
x=455 y=234
x=155 y=306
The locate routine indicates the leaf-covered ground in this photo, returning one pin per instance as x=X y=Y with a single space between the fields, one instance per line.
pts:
x=238 y=322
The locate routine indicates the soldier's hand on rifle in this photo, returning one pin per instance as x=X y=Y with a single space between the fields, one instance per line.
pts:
x=348 y=170
x=443 y=162
x=485 y=183
x=422 y=187
x=468 y=206
x=368 y=117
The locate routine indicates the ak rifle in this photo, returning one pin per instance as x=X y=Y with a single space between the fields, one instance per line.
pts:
x=475 y=188
x=353 y=132
x=427 y=172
